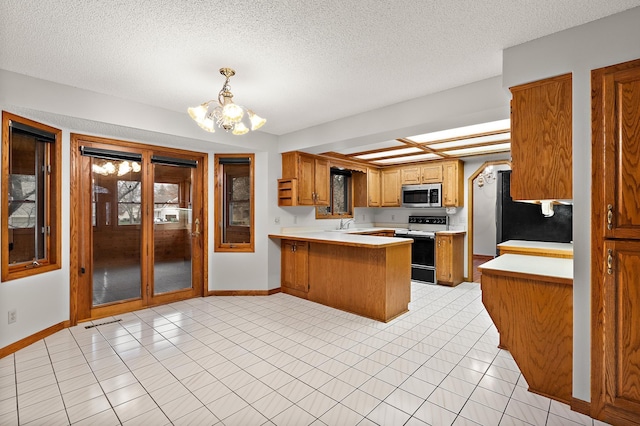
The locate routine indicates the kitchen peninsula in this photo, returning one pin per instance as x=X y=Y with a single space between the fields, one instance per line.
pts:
x=363 y=274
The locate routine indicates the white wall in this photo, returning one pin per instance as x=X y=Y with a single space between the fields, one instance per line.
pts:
x=578 y=50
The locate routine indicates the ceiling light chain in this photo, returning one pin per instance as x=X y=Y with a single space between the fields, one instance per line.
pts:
x=224 y=113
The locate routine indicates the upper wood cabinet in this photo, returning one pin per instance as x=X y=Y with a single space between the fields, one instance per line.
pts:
x=421 y=174
x=390 y=192
x=312 y=174
x=453 y=183
x=366 y=188
x=541 y=140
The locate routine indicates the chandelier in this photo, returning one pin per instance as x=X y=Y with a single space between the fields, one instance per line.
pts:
x=224 y=113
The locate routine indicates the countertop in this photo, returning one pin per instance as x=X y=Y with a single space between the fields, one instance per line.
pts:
x=348 y=237
x=536 y=248
x=537 y=245
x=541 y=266
x=454 y=232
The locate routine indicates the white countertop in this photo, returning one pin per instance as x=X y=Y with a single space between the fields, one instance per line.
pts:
x=544 y=245
x=345 y=237
x=532 y=265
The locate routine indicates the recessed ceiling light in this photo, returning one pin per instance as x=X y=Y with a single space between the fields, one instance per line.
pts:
x=475 y=129
x=401 y=151
x=472 y=141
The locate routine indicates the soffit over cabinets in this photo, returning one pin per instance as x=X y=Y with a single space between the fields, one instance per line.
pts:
x=468 y=141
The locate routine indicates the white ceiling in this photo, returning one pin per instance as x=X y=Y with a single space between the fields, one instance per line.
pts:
x=299 y=63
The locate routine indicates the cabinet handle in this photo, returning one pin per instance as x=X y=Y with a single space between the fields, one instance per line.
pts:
x=610 y=262
x=609 y=217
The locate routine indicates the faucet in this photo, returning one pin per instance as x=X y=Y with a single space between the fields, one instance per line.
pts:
x=345 y=224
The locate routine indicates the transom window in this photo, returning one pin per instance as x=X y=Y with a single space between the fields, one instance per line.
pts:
x=30 y=197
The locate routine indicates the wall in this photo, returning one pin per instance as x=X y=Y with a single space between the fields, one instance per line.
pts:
x=578 y=50
x=43 y=300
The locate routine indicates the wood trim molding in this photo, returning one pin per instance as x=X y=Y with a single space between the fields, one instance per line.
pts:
x=470 y=214
x=581 y=406
x=23 y=343
x=243 y=292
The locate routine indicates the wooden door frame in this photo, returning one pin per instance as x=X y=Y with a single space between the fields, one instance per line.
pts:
x=75 y=218
x=473 y=176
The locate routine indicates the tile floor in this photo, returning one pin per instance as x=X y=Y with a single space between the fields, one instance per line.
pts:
x=278 y=360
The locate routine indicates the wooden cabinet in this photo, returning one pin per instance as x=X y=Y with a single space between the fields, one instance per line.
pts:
x=390 y=192
x=431 y=174
x=453 y=184
x=313 y=178
x=366 y=188
x=449 y=258
x=541 y=140
x=421 y=174
x=534 y=316
x=615 y=244
x=294 y=278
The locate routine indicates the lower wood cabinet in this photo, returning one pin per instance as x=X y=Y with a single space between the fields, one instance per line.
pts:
x=450 y=258
x=295 y=267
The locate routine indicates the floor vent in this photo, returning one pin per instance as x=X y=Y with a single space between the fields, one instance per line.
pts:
x=103 y=323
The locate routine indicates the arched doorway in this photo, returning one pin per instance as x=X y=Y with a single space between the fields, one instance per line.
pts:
x=470 y=221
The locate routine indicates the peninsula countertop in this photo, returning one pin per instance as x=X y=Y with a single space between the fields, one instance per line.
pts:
x=554 y=268
x=348 y=237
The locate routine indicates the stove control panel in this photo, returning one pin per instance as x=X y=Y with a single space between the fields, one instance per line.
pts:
x=429 y=220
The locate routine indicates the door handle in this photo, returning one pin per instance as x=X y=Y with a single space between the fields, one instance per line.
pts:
x=610 y=262
x=609 y=217
x=196 y=233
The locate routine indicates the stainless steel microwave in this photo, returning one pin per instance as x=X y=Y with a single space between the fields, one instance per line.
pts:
x=421 y=196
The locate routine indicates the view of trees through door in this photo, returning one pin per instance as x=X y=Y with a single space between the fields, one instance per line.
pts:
x=139 y=218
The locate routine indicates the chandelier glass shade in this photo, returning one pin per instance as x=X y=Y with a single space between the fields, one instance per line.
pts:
x=222 y=112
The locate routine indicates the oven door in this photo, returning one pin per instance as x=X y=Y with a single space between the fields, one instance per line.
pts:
x=423 y=256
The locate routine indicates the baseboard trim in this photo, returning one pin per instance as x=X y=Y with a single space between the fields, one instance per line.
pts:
x=23 y=343
x=243 y=292
x=581 y=406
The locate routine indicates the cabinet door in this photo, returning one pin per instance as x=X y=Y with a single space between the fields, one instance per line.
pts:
x=295 y=265
x=622 y=153
x=410 y=175
x=322 y=182
x=452 y=189
x=621 y=306
x=443 y=258
x=373 y=187
x=306 y=180
x=431 y=174
x=541 y=140
x=391 y=188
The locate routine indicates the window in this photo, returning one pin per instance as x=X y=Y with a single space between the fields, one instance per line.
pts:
x=341 y=204
x=30 y=197
x=234 y=202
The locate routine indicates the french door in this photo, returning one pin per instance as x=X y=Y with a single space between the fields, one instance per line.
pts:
x=139 y=222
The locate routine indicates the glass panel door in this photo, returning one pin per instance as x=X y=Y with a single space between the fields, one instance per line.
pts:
x=172 y=228
x=116 y=204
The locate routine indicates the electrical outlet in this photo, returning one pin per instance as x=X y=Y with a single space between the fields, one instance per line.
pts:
x=295 y=220
x=13 y=316
x=393 y=217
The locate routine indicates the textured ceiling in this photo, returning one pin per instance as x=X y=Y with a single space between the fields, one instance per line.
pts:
x=299 y=63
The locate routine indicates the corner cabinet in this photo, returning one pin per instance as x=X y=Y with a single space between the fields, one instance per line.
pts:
x=450 y=258
x=294 y=266
x=312 y=177
x=366 y=188
x=390 y=192
x=541 y=141
x=453 y=184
